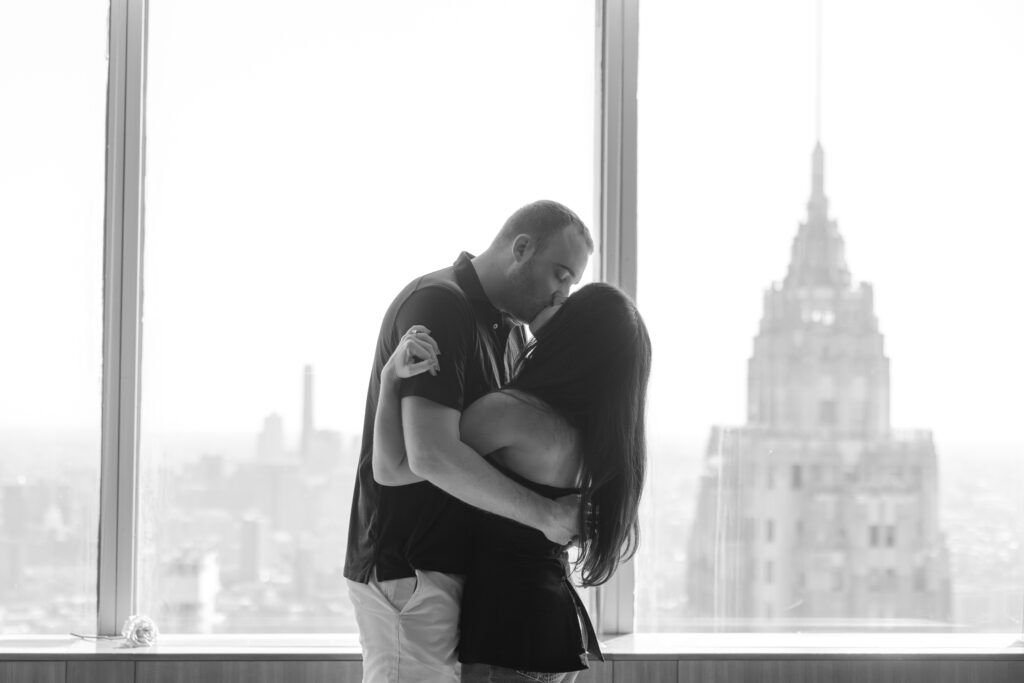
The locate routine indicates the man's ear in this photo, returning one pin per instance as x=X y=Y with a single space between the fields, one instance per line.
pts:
x=523 y=247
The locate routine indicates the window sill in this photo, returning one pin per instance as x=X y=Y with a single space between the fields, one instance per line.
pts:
x=761 y=646
x=639 y=646
x=289 y=646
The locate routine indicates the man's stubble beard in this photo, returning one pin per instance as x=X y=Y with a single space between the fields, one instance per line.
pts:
x=522 y=291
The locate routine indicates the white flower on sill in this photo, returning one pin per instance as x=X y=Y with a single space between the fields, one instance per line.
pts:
x=139 y=631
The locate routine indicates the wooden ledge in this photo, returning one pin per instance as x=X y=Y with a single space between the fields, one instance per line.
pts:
x=638 y=646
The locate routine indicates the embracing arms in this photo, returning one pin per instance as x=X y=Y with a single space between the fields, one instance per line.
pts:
x=390 y=464
x=437 y=453
x=418 y=439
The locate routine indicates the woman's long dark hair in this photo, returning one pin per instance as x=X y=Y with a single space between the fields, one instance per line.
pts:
x=590 y=363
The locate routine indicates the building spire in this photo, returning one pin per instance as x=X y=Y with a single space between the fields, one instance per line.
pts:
x=818 y=199
x=818 y=257
x=818 y=254
x=818 y=205
x=817 y=75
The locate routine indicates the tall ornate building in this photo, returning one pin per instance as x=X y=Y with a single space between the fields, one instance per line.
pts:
x=817 y=509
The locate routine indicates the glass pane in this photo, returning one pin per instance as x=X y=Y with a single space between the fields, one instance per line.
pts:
x=302 y=167
x=53 y=76
x=834 y=429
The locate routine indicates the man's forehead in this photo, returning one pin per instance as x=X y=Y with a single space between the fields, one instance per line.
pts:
x=569 y=249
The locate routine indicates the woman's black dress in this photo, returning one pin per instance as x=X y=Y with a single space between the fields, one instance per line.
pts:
x=519 y=609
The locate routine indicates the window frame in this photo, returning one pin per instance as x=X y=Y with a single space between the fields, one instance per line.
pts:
x=122 y=312
x=615 y=193
x=616 y=43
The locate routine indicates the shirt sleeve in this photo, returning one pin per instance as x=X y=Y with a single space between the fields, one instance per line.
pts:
x=450 y=321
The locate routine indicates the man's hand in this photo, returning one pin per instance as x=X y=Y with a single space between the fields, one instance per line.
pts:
x=563 y=527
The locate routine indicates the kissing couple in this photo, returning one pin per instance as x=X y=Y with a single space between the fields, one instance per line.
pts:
x=486 y=457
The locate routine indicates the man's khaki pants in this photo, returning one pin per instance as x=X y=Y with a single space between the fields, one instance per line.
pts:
x=409 y=628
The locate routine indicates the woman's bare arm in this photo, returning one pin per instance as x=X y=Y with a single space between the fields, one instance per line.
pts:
x=390 y=462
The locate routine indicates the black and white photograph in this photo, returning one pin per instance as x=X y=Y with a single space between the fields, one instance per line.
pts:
x=494 y=341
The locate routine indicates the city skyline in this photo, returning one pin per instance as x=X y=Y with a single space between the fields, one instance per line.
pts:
x=240 y=569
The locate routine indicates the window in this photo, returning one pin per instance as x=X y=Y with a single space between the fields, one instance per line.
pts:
x=869 y=246
x=243 y=374
x=302 y=167
x=53 y=78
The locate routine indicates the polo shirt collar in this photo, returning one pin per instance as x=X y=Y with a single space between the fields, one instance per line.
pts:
x=469 y=282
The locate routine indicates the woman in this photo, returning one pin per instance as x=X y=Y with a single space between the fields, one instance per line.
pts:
x=571 y=420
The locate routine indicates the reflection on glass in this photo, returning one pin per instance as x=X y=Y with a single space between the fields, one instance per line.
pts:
x=53 y=78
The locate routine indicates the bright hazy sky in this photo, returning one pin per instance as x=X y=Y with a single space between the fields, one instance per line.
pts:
x=303 y=165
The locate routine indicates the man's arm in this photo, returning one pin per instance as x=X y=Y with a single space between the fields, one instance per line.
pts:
x=437 y=454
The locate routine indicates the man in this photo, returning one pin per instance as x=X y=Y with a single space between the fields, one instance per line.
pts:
x=406 y=549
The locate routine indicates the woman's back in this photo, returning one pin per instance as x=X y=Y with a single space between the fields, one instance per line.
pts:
x=524 y=435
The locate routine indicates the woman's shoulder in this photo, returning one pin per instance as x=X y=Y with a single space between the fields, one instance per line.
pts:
x=515 y=405
x=515 y=399
x=522 y=418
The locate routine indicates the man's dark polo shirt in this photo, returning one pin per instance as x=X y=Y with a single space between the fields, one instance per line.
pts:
x=399 y=529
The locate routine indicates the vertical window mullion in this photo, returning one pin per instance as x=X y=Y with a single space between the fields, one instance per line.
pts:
x=616 y=212
x=122 y=302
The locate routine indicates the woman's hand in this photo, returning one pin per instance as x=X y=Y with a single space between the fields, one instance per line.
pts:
x=415 y=354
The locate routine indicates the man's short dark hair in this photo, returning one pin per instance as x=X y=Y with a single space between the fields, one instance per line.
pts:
x=542 y=220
